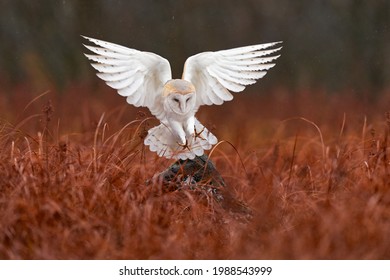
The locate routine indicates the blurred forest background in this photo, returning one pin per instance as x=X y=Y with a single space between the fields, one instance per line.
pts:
x=333 y=45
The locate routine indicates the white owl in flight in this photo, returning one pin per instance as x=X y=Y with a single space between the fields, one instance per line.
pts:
x=145 y=79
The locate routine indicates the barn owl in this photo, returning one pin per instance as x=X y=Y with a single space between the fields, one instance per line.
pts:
x=145 y=79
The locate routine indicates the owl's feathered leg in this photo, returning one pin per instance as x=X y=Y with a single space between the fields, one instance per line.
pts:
x=178 y=132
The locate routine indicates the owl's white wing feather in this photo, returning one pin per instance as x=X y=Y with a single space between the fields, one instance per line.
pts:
x=214 y=74
x=138 y=76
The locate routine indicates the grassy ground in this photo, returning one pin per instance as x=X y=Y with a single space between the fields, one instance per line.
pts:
x=312 y=169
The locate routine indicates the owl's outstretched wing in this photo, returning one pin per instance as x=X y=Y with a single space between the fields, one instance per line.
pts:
x=138 y=76
x=214 y=74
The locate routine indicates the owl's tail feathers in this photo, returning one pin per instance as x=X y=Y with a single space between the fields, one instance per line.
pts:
x=161 y=140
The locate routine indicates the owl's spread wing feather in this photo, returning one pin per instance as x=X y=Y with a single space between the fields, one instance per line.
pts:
x=214 y=74
x=138 y=76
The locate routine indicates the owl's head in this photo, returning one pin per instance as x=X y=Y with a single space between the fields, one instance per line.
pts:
x=179 y=96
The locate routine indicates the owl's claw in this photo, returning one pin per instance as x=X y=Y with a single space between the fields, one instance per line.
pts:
x=185 y=145
x=199 y=134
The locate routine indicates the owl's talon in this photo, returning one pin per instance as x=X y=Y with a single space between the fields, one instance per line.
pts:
x=184 y=146
x=199 y=134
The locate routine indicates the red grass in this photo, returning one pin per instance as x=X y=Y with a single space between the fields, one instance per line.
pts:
x=73 y=182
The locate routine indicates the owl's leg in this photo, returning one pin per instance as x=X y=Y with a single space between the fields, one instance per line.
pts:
x=179 y=133
x=192 y=126
x=189 y=127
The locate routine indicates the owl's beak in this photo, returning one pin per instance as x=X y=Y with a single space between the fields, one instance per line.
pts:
x=183 y=107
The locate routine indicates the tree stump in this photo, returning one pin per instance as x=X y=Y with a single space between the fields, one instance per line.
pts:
x=200 y=174
x=199 y=170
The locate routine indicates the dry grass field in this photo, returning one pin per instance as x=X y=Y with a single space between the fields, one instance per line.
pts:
x=307 y=174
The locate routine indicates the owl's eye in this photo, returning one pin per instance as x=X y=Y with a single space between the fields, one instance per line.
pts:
x=176 y=100
x=188 y=99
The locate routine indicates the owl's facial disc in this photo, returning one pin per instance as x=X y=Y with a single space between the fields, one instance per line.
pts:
x=181 y=104
x=179 y=96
